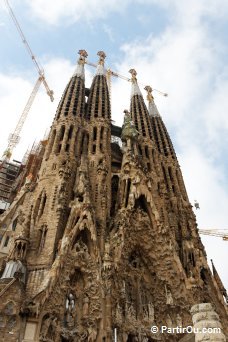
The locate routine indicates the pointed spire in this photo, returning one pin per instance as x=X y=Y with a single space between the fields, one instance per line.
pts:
x=98 y=104
x=219 y=281
x=135 y=88
x=80 y=71
x=152 y=108
x=138 y=110
x=73 y=98
x=100 y=67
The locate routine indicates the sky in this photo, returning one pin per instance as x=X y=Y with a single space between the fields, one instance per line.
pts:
x=178 y=47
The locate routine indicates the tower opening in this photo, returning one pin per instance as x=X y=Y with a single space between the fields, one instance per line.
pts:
x=141 y=203
x=114 y=186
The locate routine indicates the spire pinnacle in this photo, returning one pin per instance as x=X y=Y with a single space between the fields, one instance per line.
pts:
x=100 y=66
x=135 y=88
x=152 y=108
x=80 y=72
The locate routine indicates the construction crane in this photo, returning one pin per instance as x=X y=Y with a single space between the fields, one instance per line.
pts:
x=28 y=48
x=110 y=73
x=15 y=136
x=215 y=232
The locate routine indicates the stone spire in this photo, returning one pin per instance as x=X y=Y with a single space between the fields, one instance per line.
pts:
x=219 y=282
x=152 y=108
x=70 y=111
x=73 y=100
x=135 y=87
x=160 y=133
x=98 y=101
x=138 y=110
x=100 y=67
x=80 y=70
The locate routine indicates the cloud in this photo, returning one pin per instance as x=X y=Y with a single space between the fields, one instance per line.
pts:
x=72 y=11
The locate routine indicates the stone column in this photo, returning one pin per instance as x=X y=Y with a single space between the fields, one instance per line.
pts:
x=204 y=317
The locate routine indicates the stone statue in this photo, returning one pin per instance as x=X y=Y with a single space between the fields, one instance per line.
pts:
x=129 y=130
x=169 y=297
x=85 y=309
x=151 y=312
x=179 y=320
x=169 y=322
x=70 y=302
x=118 y=313
x=130 y=311
x=92 y=334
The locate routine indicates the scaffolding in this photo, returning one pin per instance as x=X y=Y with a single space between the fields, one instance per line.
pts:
x=9 y=172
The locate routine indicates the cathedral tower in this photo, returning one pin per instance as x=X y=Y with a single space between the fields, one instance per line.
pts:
x=106 y=243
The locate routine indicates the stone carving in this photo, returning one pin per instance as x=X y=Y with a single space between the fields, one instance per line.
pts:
x=151 y=312
x=169 y=297
x=169 y=322
x=118 y=315
x=85 y=310
x=80 y=287
x=92 y=334
x=179 y=320
x=131 y=311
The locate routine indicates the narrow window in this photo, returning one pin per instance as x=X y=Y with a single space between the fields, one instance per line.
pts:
x=102 y=133
x=43 y=234
x=146 y=151
x=6 y=241
x=14 y=224
x=62 y=131
x=70 y=132
x=94 y=133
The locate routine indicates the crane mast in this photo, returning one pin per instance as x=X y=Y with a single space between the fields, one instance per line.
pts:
x=15 y=136
x=28 y=48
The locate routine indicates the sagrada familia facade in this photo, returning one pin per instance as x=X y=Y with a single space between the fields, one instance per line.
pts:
x=105 y=242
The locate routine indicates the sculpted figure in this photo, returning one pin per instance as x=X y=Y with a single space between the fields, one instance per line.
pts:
x=169 y=322
x=151 y=312
x=130 y=311
x=131 y=200
x=169 y=297
x=118 y=313
x=179 y=320
x=92 y=334
x=85 y=309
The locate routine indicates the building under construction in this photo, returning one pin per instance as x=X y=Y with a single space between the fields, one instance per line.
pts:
x=9 y=172
x=105 y=242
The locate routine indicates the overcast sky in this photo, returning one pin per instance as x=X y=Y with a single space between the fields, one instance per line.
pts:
x=179 y=47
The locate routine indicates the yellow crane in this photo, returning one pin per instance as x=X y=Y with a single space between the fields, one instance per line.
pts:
x=110 y=73
x=15 y=136
x=223 y=233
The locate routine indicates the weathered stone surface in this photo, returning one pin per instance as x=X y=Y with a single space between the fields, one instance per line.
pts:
x=106 y=237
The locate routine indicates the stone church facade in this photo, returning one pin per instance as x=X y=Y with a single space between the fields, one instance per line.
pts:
x=106 y=243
